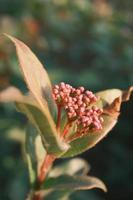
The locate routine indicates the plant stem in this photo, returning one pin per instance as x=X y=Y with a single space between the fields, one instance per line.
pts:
x=65 y=131
x=58 y=118
x=45 y=167
x=37 y=196
x=48 y=160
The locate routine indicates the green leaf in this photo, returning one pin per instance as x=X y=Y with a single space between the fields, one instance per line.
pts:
x=50 y=138
x=35 y=75
x=88 y=141
x=45 y=126
x=75 y=166
x=35 y=152
x=66 y=182
x=60 y=188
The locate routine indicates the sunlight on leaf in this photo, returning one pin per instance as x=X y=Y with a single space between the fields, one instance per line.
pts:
x=34 y=73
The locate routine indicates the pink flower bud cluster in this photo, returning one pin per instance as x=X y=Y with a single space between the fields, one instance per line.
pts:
x=78 y=104
x=61 y=93
x=91 y=119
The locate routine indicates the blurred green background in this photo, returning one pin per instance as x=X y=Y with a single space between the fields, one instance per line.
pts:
x=81 y=42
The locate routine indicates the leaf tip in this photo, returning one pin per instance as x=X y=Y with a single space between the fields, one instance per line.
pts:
x=127 y=94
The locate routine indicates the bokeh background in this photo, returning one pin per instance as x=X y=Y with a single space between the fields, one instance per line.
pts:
x=81 y=42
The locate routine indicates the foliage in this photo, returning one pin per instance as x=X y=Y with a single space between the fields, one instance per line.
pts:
x=37 y=106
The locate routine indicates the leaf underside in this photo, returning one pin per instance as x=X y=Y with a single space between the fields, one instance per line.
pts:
x=74 y=182
x=64 y=185
x=34 y=75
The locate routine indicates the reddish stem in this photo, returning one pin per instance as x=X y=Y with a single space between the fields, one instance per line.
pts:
x=65 y=131
x=75 y=136
x=37 y=197
x=58 y=118
x=49 y=159
x=45 y=167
